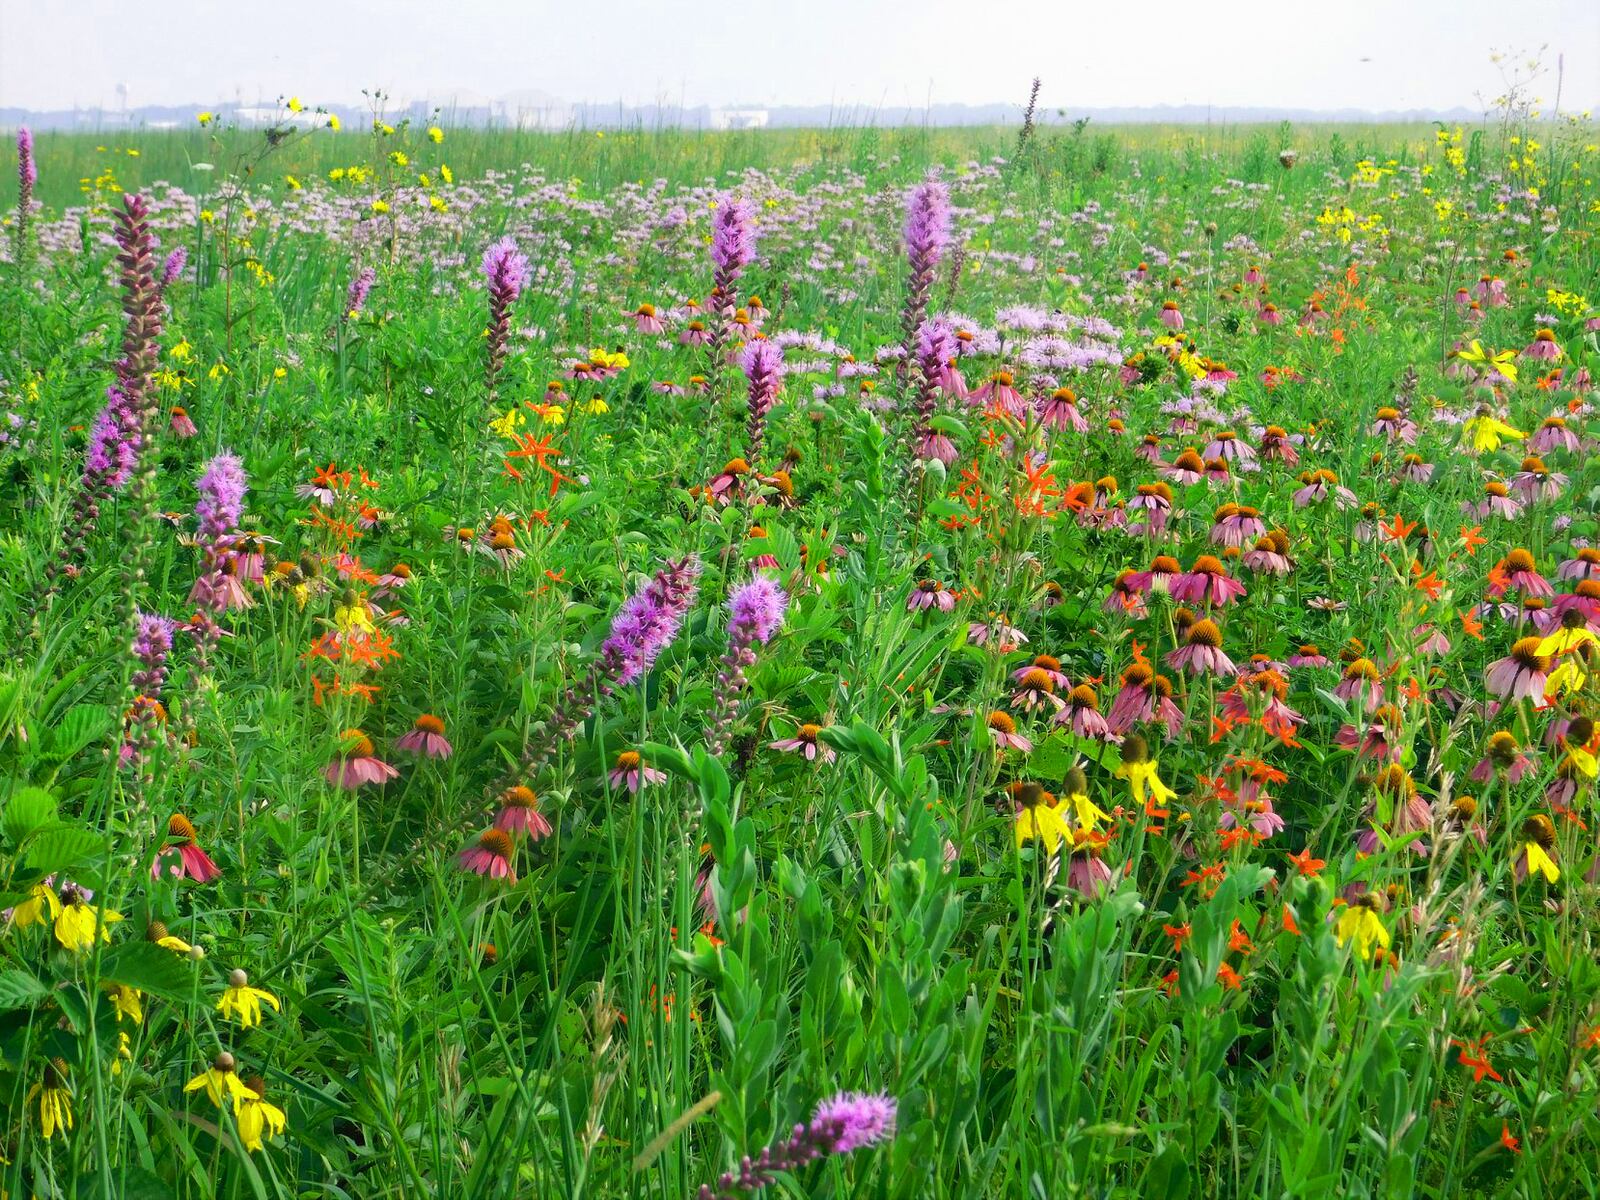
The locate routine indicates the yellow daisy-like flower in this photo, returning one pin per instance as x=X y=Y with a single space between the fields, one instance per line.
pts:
x=1046 y=823
x=221 y=1082
x=40 y=907
x=1088 y=813
x=1540 y=863
x=435 y=134
x=1569 y=677
x=1504 y=361
x=256 y=1117
x=1487 y=433
x=551 y=414
x=506 y=426
x=55 y=1099
x=78 y=925
x=157 y=932
x=205 y=118
x=127 y=1002
x=1143 y=779
x=1564 y=640
x=294 y=104
x=354 y=615
x=245 y=1000
x=1360 y=922
x=333 y=123
x=597 y=406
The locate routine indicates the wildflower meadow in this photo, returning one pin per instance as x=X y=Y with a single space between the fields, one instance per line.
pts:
x=861 y=663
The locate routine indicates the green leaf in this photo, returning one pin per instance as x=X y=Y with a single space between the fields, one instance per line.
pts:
x=65 y=846
x=19 y=989
x=79 y=726
x=29 y=810
x=150 y=968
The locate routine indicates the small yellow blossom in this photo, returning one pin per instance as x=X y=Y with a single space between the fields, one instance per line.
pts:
x=241 y=998
x=221 y=1082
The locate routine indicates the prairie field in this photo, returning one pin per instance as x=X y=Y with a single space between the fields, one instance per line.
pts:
x=892 y=663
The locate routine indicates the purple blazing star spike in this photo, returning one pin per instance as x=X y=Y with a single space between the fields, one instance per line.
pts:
x=846 y=1122
x=756 y=610
x=506 y=269
x=27 y=165
x=927 y=234
x=755 y=614
x=355 y=298
x=733 y=239
x=173 y=267
x=935 y=347
x=649 y=622
x=222 y=489
x=762 y=363
x=152 y=643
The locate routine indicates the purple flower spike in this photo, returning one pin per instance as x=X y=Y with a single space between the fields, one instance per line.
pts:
x=221 y=502
x=762 y=363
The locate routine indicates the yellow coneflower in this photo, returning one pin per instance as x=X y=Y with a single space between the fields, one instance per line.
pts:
x=255 y=1116
x=221 y=1082
x=157 y=932
x=1538 y=838
x=1039 y=818
x=1140 y=770
x=55 y=1099
x=78 y=925
x=1360 y=922
x=239 y=997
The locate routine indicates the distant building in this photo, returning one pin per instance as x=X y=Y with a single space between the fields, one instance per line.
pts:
x=530 y=109
x=739 y=118
x=305 y=119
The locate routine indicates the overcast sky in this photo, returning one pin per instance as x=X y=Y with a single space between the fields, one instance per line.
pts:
x=1376 y=54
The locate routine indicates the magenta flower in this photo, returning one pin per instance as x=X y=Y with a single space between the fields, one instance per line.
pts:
x=519 y=814
x=182 y=856
x=357 y=764
x=490 y=855
x=632 y=772
x=806 y=744
x=841 y=1124
x=762 y=364
x=425 y=737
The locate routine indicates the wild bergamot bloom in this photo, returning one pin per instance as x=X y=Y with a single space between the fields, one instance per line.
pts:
x=79 y=924
x=255 y=1116
x=1360 y=921
x=221 y=1082
x=55 y=1099
x=245 y=1000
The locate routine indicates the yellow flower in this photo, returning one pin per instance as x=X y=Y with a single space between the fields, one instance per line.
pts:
x=355 y=615
x=255 y=1116
x=506 y=426
x=1569 y=677
x=551 y=414
x=1360 y=921
x=294 y=184
x=206 y=118
x=437 y=204
x=597 y=406
x=1564 y=640
x=398 y=158
x=1540 y=862
x=1046 y=822
x=380 y=206
x=40 y=907
x=158 y=934
x=124 y=1050
x=435 y=134
x=55 y=1099
x=333 y=123
x=1487 y=432
x=1505 y=361
x=78 y=925
x=294 y=104
x=182 y=352
x=241 y=998
x=221 y=1082
x=446 y=174
x=1142 y=777
x=1088 y=813
x=126 y=1001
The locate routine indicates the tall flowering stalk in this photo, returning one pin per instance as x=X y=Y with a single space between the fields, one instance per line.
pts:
x=27 y=176
x=142 y=308
x=935 y=347
x=846 y=1122
x=733 y=248
x=762 y=363
x=151 y=649
x=355 y=299
x=755 y=613
x=646 y=624
x=507 y=272
x=222 y=490
x=173 y=267
x=927 y=234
